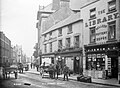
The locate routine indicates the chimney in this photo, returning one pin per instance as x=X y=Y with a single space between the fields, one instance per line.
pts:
x=55 y=4
x=64 y=3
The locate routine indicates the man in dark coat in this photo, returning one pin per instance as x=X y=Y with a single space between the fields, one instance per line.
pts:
x=65 y=72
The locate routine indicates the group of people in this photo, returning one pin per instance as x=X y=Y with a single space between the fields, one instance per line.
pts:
x=55 y=70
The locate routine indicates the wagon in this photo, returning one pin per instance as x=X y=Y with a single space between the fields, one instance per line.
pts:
x=10 y=70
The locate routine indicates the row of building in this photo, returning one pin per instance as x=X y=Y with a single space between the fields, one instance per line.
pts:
x=10 y=54
x=85 y=38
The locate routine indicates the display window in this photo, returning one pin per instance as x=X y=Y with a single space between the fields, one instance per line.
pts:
x=95 y=61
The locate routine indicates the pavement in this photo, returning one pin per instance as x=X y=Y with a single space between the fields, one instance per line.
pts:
x=109 y=82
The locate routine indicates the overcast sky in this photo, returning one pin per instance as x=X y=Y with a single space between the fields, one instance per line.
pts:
x=18 y=22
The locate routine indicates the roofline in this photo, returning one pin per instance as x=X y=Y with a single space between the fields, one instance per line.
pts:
x=89 y=4
x=42 y=11
x=63 y=26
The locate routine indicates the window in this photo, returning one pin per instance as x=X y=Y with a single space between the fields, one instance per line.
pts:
x=50 y=35
x=59 y=44
x=45 y=37
x=94 y=62
x=111 y=30
x=93 y=13
x=60 y=32
x=92 y=35
x=45 y=48
x=76 y=41
x=67 y=42
x=112 y=6
x=70 y=28
x=50 y=46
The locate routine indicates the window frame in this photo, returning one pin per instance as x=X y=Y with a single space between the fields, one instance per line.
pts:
x=92 y=16
x=50 y=46
x=68 y=44
x=93 y=34
x=76 y=45
x=114 y=9
x=70 y=28
x=45 y=48
x=60 y=44
x=59 y=32
x=113 y=23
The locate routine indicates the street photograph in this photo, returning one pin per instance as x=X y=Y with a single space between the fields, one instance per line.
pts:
x=59 y=43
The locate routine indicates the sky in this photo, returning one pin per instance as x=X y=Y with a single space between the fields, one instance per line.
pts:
x=18 y=22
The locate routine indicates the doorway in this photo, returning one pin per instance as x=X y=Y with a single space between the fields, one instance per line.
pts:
x=76 y=65
x=114 y=67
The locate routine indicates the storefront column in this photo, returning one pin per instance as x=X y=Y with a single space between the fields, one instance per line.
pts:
x=119 y=69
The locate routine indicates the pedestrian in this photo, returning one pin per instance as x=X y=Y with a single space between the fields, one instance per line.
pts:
x=57 y=71
x=65 y=72
x=51 y=71
x=31 y=65
x=54 y=70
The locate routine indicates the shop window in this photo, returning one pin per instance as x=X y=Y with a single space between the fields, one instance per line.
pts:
x=76 y=41
x=95 y=63
x=111 y=30
x=60 y=44
x=112 y=6
x=60 y=32
x=92 y=35
x=50 y=46
x=69 y=28
x=93 y=13
x=67 y=42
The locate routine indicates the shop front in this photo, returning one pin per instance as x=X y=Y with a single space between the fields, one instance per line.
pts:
x=48 y=58
x=102 y=60
x=73 y=59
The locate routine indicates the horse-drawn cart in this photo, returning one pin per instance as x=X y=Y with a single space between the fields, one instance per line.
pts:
x=10 y=70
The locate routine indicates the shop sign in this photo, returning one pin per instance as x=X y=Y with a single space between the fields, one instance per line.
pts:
x=102 y=20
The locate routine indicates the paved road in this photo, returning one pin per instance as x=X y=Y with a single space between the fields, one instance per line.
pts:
x=28 y=80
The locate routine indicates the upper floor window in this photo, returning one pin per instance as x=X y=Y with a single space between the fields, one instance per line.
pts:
x=112 y=6
x=50 y=35
x=93 y=13
x=50 y=46
x=59 y=44
x=70 y=28
x=60 y=32
x=45 y=48
x=67 y=42
x=45 y=37
x=76 y=38
x=92 y=35
x=111 y=30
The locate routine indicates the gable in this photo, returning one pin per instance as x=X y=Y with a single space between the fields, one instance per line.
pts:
x=57 y=16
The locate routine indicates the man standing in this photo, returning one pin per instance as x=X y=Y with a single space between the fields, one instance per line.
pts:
x=65 y=72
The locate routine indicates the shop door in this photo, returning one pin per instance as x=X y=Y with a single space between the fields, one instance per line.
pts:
x=76 y=66
x=114 y=67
